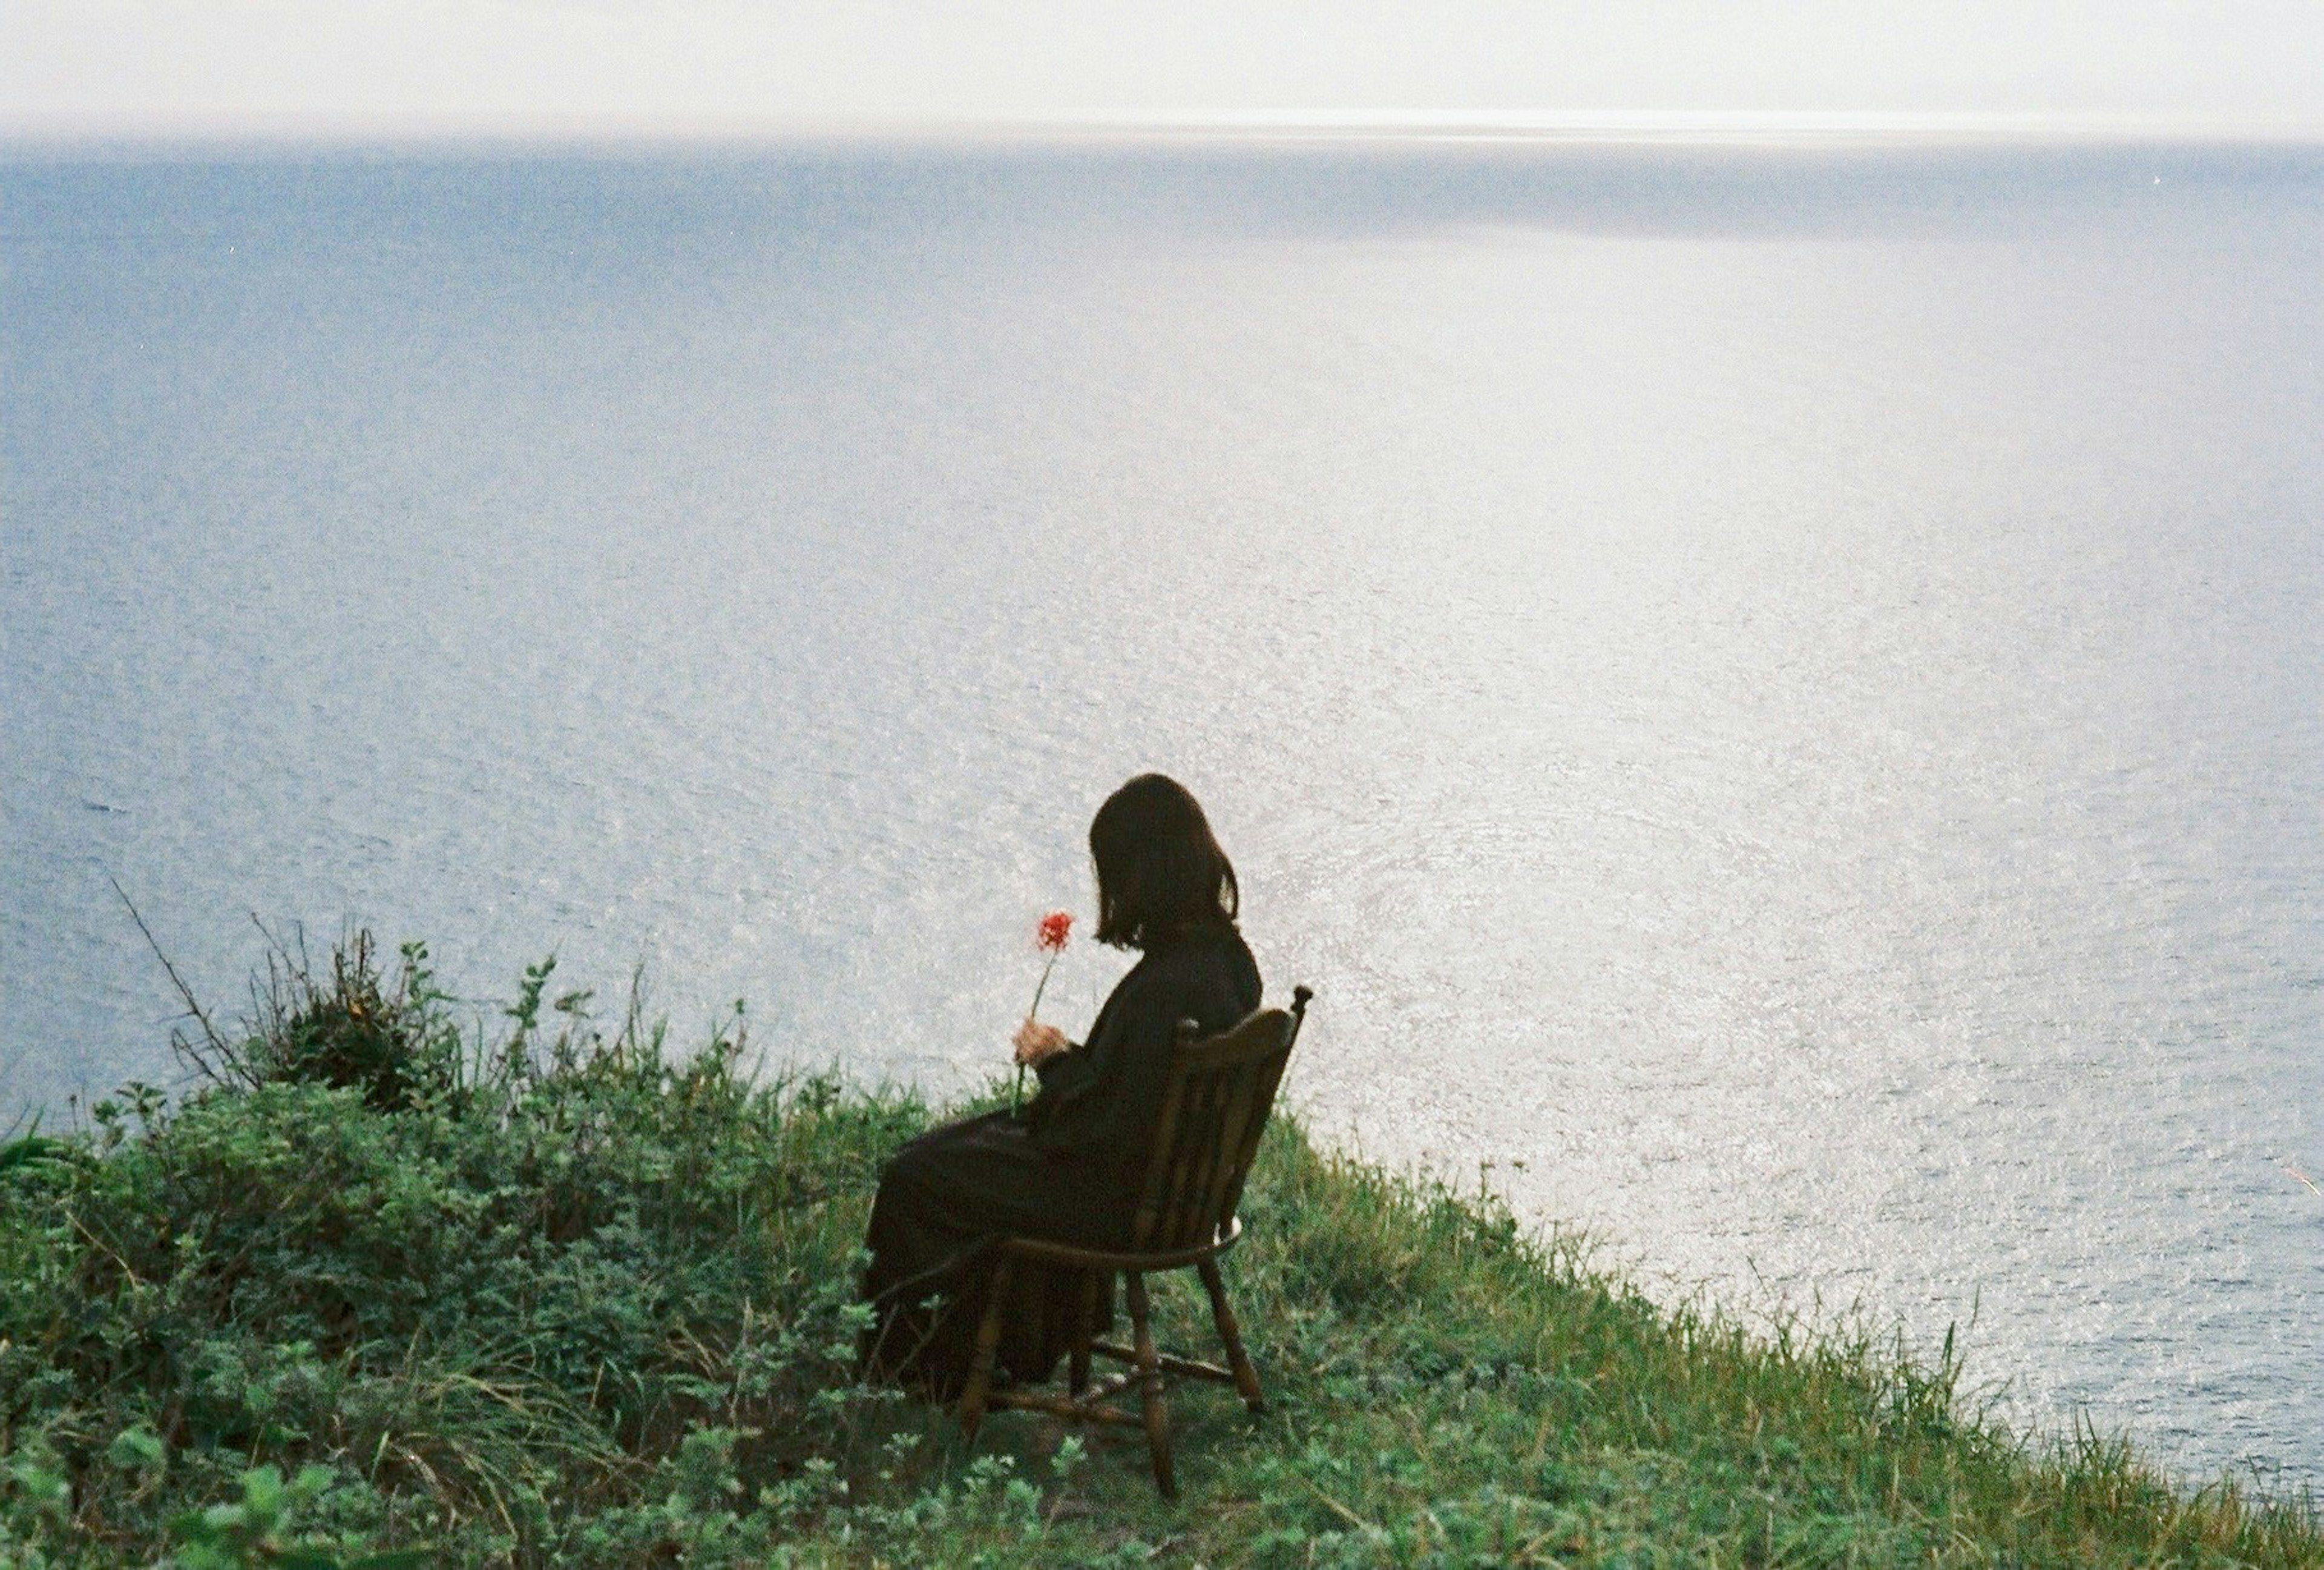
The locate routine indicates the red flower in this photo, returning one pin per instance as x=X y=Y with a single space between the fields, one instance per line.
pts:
x=1050 y=937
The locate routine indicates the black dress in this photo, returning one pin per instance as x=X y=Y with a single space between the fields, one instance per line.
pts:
x=1066 y=1167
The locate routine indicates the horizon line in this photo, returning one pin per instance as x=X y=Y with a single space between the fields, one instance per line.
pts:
x=197 y=132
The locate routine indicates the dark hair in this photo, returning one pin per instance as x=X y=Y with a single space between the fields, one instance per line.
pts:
x=1159 y=872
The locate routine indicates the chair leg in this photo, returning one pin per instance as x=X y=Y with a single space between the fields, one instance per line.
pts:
x=1149 y=1369
x=1085 y=1328
x=1246 y=1377
x=988 y=1344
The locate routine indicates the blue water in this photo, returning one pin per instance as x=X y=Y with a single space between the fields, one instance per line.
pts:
x=1773 y=691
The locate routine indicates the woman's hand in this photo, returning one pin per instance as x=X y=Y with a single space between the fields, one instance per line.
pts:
x=1036 y=1041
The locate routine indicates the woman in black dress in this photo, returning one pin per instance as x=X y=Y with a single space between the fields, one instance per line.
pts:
x=1067 y=1166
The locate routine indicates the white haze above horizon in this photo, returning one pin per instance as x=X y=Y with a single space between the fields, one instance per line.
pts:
x=168 y=68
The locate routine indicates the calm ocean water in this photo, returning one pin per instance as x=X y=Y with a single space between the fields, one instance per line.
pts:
x=1773 y=692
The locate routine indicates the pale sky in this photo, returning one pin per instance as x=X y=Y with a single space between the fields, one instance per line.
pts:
x=145 y=68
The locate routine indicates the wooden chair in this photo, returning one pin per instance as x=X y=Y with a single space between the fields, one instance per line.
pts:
x=1214 y=1107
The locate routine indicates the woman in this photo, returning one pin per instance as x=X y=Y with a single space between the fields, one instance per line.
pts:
x=1068 y=1167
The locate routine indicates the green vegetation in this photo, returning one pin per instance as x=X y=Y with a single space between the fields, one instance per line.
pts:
x=390 y=1290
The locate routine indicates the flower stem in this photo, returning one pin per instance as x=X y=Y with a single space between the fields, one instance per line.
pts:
x=1017 y=1097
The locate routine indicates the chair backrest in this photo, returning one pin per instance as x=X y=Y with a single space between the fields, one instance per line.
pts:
x=1214 y=1107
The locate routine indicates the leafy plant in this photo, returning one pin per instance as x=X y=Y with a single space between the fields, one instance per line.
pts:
x=256 y=1529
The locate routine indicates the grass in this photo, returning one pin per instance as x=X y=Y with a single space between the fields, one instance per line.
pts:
x=556 y=1295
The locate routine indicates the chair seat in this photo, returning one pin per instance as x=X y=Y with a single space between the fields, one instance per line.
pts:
x=1057 y=1254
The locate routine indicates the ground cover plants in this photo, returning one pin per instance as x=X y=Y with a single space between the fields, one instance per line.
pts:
x=388 y=1286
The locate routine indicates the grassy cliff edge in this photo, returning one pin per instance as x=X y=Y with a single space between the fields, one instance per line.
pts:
x=388 y=1289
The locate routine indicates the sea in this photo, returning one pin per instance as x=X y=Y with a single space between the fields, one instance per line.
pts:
x=1773 y=687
